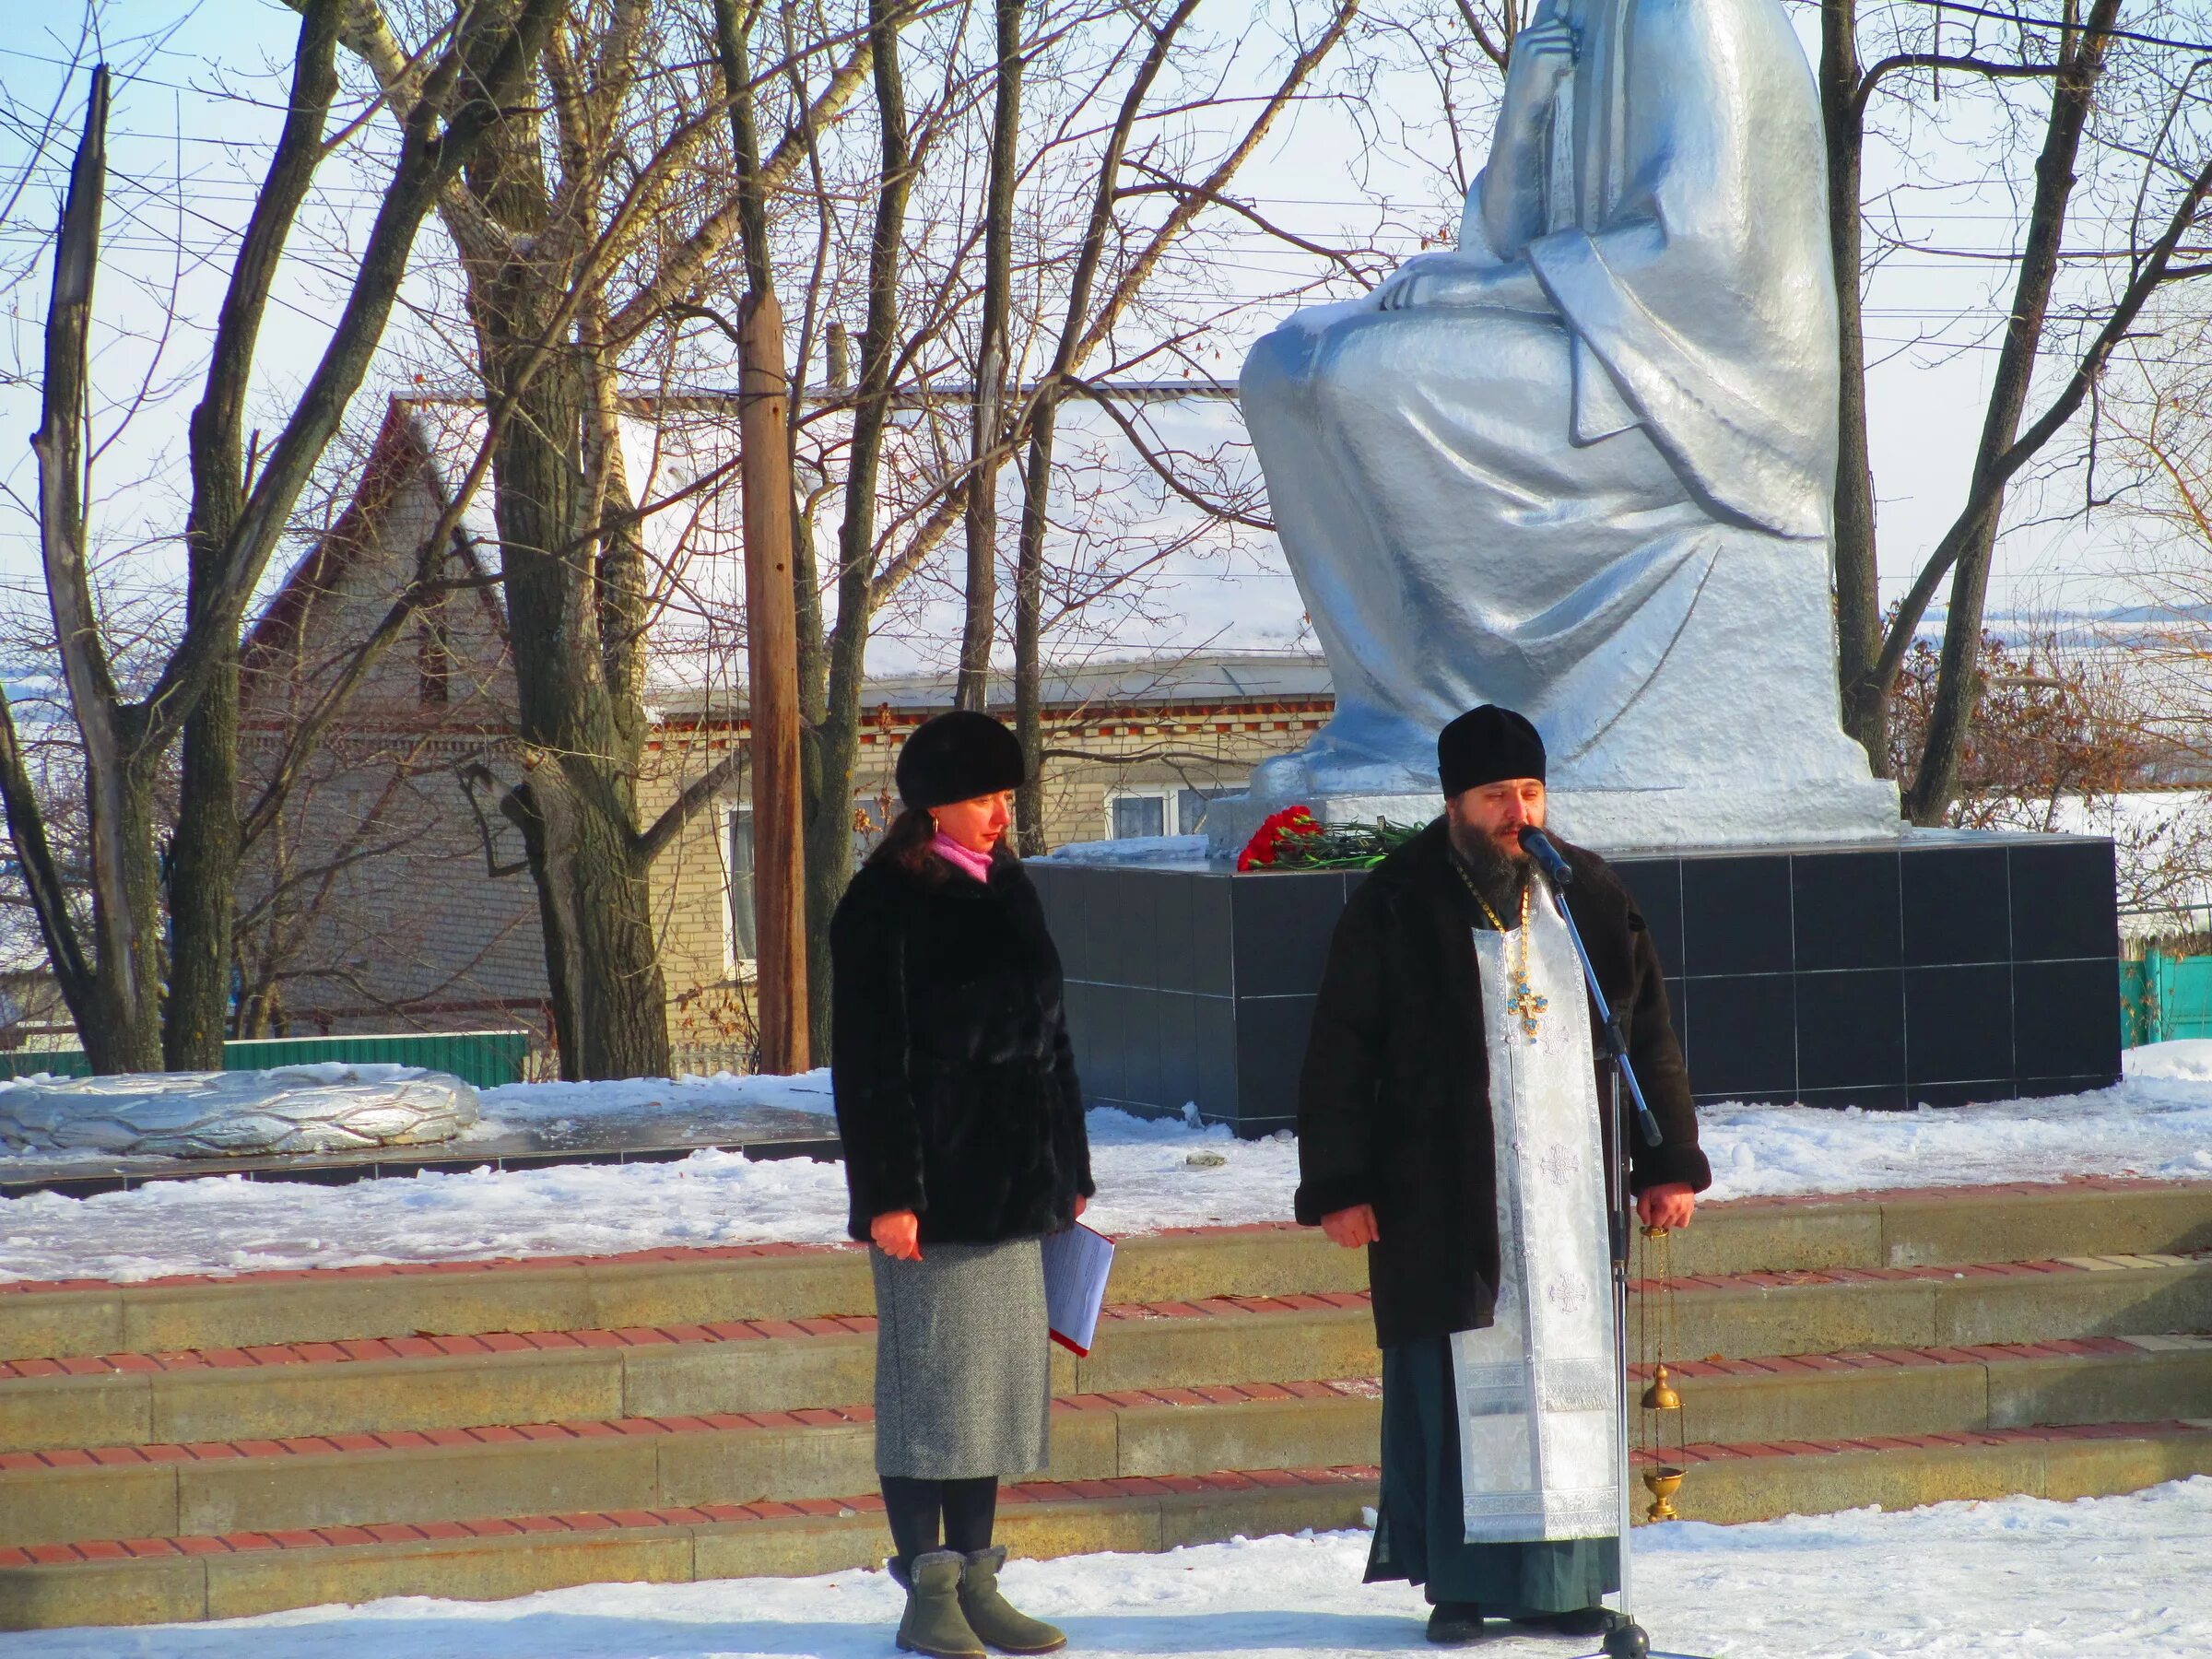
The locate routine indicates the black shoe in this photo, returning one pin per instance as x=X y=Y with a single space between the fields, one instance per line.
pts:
x=1455 y=1624
x=1579 y=1621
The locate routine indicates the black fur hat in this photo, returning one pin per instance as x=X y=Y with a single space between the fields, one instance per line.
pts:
x=957 y=757
x=1487 y=745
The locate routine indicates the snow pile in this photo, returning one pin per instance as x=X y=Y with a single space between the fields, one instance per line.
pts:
x=1151 y=1174
x=2024 y=1578
x=2156 y=1123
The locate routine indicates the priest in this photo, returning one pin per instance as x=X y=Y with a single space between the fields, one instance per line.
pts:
x=1453 y=1119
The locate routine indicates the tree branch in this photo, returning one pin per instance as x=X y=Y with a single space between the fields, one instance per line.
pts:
x=1989 y=69
x=1989 y=483
x=1102 y=398
x=426 y=163
x=680 y=270
x=697 y=794
x=34 y=851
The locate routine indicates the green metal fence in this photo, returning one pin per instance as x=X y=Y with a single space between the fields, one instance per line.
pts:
x=2164 y=997
x=485 y=1058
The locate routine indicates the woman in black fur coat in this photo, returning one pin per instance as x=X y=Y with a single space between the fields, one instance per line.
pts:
x=964 y=1144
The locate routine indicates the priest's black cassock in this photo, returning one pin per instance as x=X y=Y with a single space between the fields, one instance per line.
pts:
x=1482 y=1142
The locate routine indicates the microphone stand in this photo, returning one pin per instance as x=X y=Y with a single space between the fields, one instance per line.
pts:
x=1628 y=1640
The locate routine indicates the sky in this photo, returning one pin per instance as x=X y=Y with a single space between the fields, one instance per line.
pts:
x=200 y=107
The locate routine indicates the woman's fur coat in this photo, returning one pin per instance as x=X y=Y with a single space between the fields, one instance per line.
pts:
x=956 y=1086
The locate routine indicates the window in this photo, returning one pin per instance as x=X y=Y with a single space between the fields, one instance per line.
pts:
x=1167 y=809
x=1139 y=815
x=1191 y=805
x=744 y=935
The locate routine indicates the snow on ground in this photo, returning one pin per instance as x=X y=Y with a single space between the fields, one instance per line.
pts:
x=2156 y=1123
x=2023 y=1578
x=226 y=1224
x=1151 y=1174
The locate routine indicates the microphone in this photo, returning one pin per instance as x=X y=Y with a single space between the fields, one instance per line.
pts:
x=1537 y=845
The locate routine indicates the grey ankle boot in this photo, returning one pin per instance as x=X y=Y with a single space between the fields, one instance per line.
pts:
x=992 y=1617
x=932 y=1624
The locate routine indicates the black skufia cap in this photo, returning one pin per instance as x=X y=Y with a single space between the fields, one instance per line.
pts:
x=1487 y=745
x=957 y=757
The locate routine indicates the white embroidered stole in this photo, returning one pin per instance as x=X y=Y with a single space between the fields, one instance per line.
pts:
x=1538 y=1433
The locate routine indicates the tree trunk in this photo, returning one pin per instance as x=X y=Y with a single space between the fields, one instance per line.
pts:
x=1028 y=626
x=125 y=1032
x=1857 y=588
x=583 y=764
x=980 y=625
x=114 y=990
x=202 y=881
x=836 y=748
x=1957 y=677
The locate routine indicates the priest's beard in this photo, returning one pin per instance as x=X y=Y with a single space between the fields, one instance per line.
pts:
x=1498 y=874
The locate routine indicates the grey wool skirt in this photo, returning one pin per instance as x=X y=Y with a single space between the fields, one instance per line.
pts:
x=963 y=1362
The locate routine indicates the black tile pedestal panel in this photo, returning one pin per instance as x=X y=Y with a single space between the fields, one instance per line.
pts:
x=1946 y=968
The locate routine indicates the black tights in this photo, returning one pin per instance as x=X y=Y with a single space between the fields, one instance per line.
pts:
x=912 y=1507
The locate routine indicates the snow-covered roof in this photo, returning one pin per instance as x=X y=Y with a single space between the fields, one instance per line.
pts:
x=1160 y=680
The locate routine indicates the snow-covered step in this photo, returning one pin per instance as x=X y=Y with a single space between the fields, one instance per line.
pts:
x=688 y=1286
x=164 y=1579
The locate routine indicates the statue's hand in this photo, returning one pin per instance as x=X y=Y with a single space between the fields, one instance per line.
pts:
x=1543 y=56
x=1433 y=280
x=1414 y=283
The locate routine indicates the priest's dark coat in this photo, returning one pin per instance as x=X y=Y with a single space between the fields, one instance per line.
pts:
x=1394 y=1106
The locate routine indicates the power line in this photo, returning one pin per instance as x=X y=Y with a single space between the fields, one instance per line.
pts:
x=2021 y=21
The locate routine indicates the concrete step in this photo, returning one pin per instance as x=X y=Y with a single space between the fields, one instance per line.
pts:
x=276 y=1390
x=1833 y=1310
x=272 y=1392
x=660 y=1288
x=162 y=1579
x=785 y=1281
x=1728 y=1483
x=640 y=1463
x=649 y=1462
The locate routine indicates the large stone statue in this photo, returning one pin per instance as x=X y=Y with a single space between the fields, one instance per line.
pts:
x=1582 y=467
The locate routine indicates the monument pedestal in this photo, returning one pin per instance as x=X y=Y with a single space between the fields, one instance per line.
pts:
x=1840 y=811
x=1939 y=967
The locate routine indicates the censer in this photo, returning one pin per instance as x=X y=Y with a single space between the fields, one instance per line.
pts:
x=1665 y=1429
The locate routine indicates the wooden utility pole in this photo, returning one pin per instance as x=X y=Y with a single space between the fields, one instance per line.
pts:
x=772 y=672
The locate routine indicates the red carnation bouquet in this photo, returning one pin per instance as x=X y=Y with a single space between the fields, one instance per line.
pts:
x=1278 y=834
x=1294 y=839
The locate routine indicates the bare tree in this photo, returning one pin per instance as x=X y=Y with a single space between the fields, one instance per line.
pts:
x=568 y=258
x=2140 y=118
x=110 y=970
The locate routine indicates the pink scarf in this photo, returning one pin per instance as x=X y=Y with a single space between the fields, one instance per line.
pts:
x=977 y=864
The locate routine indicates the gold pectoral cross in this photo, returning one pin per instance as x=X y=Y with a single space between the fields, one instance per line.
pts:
x=1526 y=1006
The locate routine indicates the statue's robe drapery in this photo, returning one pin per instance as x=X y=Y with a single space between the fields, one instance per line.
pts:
x=1606 y=508
x=1518 y=1420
